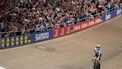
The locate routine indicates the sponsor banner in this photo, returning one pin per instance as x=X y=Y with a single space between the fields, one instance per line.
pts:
x=67 y=30
x=9 y=42
x=56 y=33
x=41 y=36
x=107 y=17
x=13 y=42
x=97 y=20
x=84 y=25
x=0 y=42
x=17 y=41
x=119 y=11
x=103 y=17
x=112 y=14
x=91 y=22
x=72 y=29
x=20 y=40
x=75 y=28
x=61 y=32
x=3 y=43
x=79 y=27
x=27 y=39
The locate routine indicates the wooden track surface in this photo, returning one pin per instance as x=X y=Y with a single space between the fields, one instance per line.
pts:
x=70 y=52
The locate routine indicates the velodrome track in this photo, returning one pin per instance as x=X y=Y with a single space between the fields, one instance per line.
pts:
x=74 y=51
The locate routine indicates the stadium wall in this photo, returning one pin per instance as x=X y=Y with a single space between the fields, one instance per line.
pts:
x=22 y=40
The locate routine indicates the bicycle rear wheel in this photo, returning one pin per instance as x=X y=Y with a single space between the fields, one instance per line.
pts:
x=96 y=65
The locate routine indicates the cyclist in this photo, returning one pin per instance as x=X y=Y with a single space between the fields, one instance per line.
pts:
x=97 y=57
x=97 y=52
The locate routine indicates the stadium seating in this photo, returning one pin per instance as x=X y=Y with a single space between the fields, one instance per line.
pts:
x=26 y=16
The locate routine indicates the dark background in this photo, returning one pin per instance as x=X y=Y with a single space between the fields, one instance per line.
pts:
x=121 y=1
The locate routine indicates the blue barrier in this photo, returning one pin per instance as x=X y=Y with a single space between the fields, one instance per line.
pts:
x=112 y=14
x=119 y=11
x=41 y=36
x=15 y=41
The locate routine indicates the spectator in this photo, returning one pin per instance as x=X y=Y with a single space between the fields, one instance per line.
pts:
x=22 y=15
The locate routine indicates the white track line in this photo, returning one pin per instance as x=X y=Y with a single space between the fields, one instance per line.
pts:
x=2 y=67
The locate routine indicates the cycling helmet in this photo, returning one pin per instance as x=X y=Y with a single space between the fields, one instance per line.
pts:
x=98 y=46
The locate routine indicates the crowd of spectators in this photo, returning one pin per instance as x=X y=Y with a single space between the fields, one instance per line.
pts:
x=42 y=15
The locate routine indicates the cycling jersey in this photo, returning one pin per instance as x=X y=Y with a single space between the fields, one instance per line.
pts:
x=98 y=52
